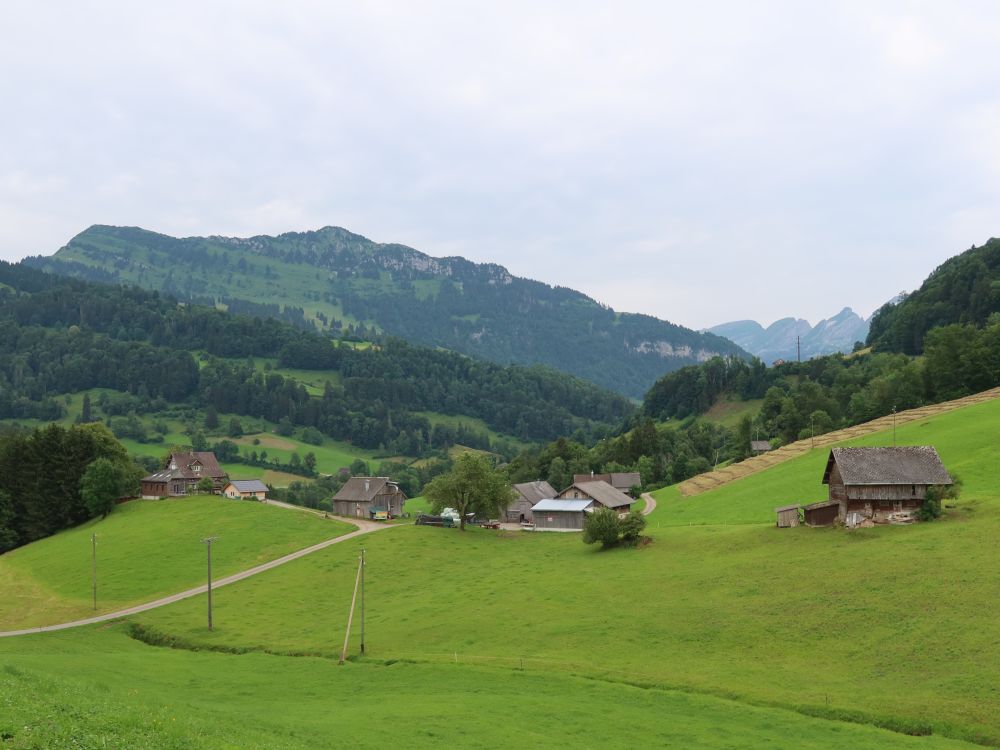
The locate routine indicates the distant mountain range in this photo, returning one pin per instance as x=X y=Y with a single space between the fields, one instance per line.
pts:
x=332 y=279
x=779 y=340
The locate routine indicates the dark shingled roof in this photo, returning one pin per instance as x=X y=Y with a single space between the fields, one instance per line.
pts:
x=760 y=445
x=623 y=481
x=535 y=491
x=881 y=466
x=363 y=489
x=603 y=493
x=185 y=461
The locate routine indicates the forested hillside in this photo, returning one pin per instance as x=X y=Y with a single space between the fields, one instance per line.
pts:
x=60 y=336
x=963 y=290
x=334 y=280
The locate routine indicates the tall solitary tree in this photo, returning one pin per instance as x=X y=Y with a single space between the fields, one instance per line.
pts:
x=474 y=485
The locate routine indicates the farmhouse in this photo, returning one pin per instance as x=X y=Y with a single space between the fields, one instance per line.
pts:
x=181 y=474
x=246 y=489
x=601 y=493
x=528 y=493
x=560 y=515
x=881 y=485
x=623 y=481
x=363 y=497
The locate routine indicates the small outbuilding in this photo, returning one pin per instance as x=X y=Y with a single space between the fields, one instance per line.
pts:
x=364 y=497
x=823 y=513
x=245 y=489
x=560 y=515
x=759 y=446
x=528 y=494
x=882 y=485
x=788 y=516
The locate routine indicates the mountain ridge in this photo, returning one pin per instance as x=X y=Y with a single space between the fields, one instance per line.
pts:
x=780 y=340
x=336 y=280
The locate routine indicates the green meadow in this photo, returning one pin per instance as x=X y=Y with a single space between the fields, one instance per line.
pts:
x=723 y=632
x=101 y=689
x=147 y=549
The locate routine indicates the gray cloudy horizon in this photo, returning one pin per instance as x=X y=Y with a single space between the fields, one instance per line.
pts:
x=701 y=165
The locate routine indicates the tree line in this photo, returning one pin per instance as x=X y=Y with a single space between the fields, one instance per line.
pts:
x=56 y=477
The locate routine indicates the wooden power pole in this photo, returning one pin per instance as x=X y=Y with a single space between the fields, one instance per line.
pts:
x=350 y=616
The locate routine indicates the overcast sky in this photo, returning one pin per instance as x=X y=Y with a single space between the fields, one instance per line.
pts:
x=701 y=164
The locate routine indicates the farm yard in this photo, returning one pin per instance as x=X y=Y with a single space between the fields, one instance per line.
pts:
x=725 y=631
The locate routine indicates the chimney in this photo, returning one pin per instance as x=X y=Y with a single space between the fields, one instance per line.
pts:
x=367 y=483
x=591 y=473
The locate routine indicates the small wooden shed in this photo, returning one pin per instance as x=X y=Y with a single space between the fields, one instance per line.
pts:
x=822 y=513
x=788 y=516
x=759 y=446
x=560 y=515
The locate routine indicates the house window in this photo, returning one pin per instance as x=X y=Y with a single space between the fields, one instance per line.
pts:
x=197 y=469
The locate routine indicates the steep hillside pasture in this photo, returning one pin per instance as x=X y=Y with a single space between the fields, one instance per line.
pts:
x=147 y=549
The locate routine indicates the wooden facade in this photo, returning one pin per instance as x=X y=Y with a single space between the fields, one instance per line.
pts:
x=788 y=516
x=560 y=515
x=821 y=514
x=363 y=497
x=528 y=494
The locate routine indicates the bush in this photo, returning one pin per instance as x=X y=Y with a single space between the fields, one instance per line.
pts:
x=602 y=526
x=631 y=527
x=931 y=509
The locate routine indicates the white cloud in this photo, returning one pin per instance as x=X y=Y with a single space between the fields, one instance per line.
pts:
x=700 y=163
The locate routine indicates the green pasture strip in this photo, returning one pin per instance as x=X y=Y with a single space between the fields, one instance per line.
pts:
x=147 y=549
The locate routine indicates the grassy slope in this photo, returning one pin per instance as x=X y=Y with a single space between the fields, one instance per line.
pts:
x=146 y=549
x=98 y=688
x=728 y=412
x=820 y=619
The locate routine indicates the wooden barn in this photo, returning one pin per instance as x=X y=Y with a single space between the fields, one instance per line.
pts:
x=759 y=446
x=623 y=481
x=601 y=493
x=363 y=497
x=882 y=485
x=560 y=515
x=528 y=494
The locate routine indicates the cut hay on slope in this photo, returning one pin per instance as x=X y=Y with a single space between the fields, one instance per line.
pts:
x=712 y=479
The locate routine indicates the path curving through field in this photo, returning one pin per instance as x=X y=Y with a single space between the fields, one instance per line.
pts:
x=650 y=503
x=364 y=527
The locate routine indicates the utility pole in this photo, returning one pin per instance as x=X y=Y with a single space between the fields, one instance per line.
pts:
x=350 y=616
x=893 y=425
x=812 y=432
x=362 y=601
x=208 y=541
x=93 y=567
x=798 y=347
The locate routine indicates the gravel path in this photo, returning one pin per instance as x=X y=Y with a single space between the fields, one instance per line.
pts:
x=364 y=527
x=650 y=503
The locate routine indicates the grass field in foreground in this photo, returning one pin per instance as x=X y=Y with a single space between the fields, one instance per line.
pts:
x=146 y=549
x=818 y=619
x=99 y=688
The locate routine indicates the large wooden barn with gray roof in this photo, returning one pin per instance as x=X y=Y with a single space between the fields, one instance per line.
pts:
x=528 y=494
x=601 y=493
x=882 y=485
x=362 y=497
